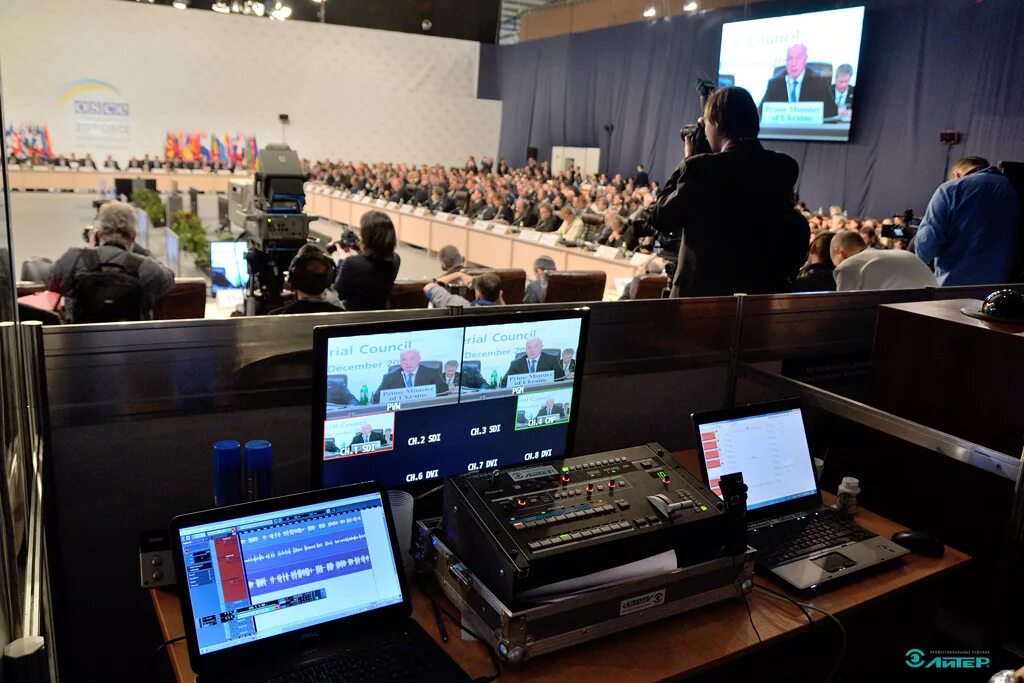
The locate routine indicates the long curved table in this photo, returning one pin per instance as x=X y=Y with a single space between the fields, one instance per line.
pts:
x=480 y=242
x=92 y=181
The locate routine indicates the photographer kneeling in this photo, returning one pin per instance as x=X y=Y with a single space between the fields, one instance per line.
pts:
x=709 y=199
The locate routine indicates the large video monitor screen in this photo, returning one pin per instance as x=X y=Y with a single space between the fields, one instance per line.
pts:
x=802 y=70
x=406 y=402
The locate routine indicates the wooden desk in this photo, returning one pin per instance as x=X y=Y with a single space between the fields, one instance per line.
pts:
x=91 y=181
x=685 y=644
x=968 y=374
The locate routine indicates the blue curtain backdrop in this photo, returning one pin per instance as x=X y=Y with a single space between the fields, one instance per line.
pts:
x=926 y=66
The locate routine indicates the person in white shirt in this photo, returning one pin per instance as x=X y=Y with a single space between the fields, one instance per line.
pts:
x=858 y=267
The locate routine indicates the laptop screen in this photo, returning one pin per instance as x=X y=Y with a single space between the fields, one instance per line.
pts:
x=769 y=449
x=262 y=575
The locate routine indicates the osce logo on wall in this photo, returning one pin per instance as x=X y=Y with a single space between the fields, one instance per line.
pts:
x=96 y=112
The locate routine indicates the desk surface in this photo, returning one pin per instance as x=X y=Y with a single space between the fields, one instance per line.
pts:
x=688 y=643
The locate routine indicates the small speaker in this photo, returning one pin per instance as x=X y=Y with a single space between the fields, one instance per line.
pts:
x=283 y=118
x=531 y=153
x=156 y=565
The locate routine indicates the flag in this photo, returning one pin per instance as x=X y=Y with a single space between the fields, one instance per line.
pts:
x=195 y=147
x=204 y=148
x=214 y=147
x=225 y=150
x=15 y=145
x=187 y=149
x=170 y=146
x=47 y=149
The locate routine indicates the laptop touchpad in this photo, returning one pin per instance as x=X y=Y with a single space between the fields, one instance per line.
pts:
x=833 y=562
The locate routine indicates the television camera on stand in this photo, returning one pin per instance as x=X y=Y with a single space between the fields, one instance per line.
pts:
x=270 y=211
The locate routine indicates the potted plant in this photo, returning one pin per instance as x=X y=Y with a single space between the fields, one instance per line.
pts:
x=149 y=201
x=192 y=237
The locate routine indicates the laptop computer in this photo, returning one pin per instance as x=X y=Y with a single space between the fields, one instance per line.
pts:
x=797 y=539
x=302 y=587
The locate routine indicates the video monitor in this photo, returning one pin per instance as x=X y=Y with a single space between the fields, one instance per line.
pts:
x=227 y=265
x=407 y=402
x=802 y=71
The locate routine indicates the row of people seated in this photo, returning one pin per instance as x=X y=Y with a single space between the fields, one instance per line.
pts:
x=146 y=164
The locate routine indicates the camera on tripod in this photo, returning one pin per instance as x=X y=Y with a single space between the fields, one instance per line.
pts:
x=906 y=227
x=270 y=209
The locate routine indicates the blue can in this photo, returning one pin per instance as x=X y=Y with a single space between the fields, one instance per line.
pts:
x=227 y=472
x=259 y=468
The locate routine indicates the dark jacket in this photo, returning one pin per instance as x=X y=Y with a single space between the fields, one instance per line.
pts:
x=816 y=278
x=375 y=435
x=709 y=201
x=364 y=284
x=547 y=224
x=812 y=89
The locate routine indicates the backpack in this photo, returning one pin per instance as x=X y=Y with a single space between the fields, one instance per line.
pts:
x=108 y=292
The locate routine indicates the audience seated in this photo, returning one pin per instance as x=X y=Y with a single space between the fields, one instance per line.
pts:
x=858 y=267
x=107 y=282
x=364 y=280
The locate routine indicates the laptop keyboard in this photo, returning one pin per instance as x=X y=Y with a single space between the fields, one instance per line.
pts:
x=793 y=539
x=387 y=658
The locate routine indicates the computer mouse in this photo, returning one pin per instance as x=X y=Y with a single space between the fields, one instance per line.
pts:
x=919 y=542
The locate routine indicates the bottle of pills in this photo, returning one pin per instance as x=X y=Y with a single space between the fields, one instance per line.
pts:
x=848 y=496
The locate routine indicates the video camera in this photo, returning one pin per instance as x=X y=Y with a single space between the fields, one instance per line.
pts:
x=270 y=209
x=905 y=229
x=696 y=130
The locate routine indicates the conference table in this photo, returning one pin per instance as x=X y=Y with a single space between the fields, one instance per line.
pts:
x=93 y=181
x=484 y=243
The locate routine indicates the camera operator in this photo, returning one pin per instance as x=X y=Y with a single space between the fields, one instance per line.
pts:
x=971 y=228
x=707 y=201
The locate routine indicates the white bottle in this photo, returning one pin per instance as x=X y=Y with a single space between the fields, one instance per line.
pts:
x=847 y=498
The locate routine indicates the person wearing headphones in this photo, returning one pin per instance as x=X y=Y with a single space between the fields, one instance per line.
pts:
x=309 y=275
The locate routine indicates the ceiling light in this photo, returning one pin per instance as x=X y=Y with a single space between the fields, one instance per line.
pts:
x=236 y=7
x=427 y=24
x=221 y=7
x=690 y=7
x=650 y=12
x=180 y=4
x=259 y=9
x=281 y=12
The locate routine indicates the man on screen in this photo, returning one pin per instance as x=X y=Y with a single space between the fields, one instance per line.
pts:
x=368 y=435
x=797 y=84
x=410 y=373
x=534 y=361
x=842 y=91
x=550 y=408
x=568 y=362
x=470 y=378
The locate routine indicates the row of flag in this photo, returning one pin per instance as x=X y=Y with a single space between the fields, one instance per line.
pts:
x=27 y=140
x=238 y=150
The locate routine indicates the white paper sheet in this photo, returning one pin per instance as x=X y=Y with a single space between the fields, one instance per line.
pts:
x=561 y=590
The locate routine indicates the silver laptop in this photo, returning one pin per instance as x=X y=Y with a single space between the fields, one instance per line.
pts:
x=797 y=539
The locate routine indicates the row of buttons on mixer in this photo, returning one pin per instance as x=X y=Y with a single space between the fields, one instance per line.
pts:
x=573 y=536
x=597 y=463
x=563 y=517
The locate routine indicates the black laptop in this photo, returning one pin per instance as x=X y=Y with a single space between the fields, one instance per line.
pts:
x=307 y=587
x=797 y=539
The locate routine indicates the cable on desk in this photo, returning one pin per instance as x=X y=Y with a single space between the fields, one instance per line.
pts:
x=168 y=642
x=458 y=621
x=746 y=604
x=803 y=608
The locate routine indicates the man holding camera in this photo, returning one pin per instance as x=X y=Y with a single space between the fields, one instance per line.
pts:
x=707 y=202
x=971 y=228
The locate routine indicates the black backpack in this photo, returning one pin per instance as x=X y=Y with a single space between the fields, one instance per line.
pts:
x=108 y=292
